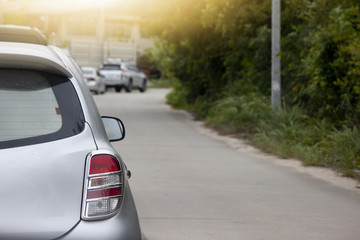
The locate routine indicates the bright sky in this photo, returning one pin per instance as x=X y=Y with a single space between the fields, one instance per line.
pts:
x=54 y=6
x=127 y=7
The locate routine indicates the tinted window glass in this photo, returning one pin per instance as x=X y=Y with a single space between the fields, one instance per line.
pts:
x=111 y=67
x=37 y=107
x=130 y=67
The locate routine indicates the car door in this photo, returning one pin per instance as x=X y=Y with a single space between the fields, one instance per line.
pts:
x=137 y=76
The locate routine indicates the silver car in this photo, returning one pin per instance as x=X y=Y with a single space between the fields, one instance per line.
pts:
x=124 y=75
x=94 y=80
x=136 y=76
x=61 y=178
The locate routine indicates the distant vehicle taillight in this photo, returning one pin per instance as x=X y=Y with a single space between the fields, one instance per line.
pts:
x=91 y=79
x=122 y=74
x=103 y=186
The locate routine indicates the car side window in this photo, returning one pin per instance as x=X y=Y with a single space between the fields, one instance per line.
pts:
x=130 y=67
x=111 y=67
x=37 y=107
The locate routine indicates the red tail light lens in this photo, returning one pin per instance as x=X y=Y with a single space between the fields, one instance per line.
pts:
x=111 y=192
x=103 y=164
x=90 y=79
x=102 y=187
x=122 y=74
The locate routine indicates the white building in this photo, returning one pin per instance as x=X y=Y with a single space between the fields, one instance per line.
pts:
x=92 y=32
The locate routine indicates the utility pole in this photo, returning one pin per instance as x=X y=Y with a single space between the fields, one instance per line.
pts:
x=276 y=61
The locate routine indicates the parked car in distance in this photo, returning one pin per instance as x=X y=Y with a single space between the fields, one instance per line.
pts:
x=124 y=75
x=13 y=33
x=94 y=80
x=62 y=177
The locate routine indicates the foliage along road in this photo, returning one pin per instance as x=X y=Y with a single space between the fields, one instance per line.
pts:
x=188 y=185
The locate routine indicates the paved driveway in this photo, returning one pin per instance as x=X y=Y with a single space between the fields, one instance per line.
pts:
x=189 y=185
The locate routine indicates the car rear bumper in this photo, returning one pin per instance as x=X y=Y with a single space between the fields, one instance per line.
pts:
x=93 y=86
x=116 y=82
x=124 y=225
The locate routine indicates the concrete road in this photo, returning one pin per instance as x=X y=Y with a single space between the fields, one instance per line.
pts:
x=188 y=185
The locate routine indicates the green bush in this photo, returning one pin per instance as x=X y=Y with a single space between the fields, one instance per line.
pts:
x=220 y=53
x=161 y=83
x=239 y=113
x=288 y=132
x=343 y=150
x=333 y=64
x=177 y=97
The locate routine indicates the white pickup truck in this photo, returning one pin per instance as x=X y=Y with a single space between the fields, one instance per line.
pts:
x=123 y=75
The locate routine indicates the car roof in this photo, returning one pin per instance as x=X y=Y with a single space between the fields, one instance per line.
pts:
x=33 y=57
x=23 y=34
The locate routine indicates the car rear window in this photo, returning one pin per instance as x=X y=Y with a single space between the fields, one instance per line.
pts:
x=37 y=107
x=111 y=67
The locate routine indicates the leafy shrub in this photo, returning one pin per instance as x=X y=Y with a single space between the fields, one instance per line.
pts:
x=177 y=97
x=239 y=113
x=343 y=150
x=221 y=60
x=333 y=63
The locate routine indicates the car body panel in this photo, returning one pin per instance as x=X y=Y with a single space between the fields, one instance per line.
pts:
x=137 y=76
x=23 y=34
x=124 y=74
x=127 y=214
x=113 y=76
x=94 y=81
x=44 y=187
x=31 y=56
x=121 y=224
x=42 y=197
x=91 y=113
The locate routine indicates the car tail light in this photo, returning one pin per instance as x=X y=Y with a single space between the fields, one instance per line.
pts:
x=103 y=186
x=122 y=74
x=91 y=79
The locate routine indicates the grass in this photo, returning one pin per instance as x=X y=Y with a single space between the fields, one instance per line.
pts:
x=160 y=83
x=287 y=133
